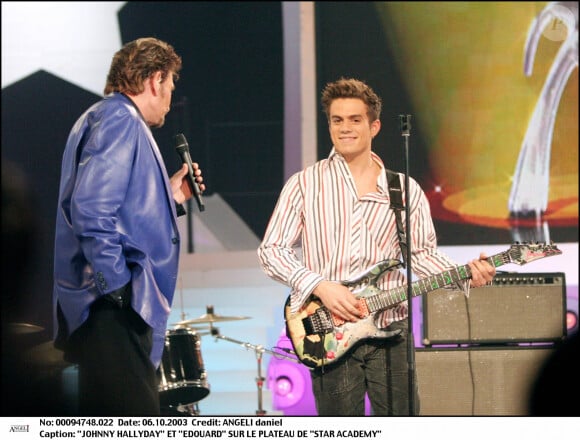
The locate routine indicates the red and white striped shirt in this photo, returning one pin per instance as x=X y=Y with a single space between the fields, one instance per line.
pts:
x=321 y=230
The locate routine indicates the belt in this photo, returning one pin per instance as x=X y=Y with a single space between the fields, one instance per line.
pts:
x=120 y=297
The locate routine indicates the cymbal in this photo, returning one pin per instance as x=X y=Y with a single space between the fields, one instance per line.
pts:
x=21 y=328
x=211 y=317
x=195 y=328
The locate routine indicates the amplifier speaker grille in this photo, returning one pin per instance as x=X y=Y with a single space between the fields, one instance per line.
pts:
x=528 y=307
x=478 y=381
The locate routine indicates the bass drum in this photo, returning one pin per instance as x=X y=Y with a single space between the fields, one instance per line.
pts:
x=183 y=378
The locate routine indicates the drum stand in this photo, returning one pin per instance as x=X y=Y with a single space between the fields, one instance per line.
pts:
x=191 y=409
x=259 y=350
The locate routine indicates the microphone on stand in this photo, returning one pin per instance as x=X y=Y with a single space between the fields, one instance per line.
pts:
x=182 y=148
x=405 y=125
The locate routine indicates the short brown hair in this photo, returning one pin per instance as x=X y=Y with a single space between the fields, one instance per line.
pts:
x=352 y=88
x=138 y=60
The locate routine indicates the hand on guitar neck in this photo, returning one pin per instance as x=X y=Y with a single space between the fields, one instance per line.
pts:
x=482 y=272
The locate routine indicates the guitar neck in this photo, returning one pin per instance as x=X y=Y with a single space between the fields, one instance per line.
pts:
x=389 y=298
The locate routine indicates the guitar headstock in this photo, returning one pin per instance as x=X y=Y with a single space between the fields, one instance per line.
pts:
x=522 y=253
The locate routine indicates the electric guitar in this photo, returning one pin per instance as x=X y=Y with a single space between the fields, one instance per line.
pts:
x=320 y=338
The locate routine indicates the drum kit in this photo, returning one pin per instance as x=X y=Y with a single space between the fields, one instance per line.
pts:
x=183 y=378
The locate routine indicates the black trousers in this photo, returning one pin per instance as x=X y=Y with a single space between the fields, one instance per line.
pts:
x=116 y=376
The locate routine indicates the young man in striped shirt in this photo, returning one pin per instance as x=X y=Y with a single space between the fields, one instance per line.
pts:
x=338 y=212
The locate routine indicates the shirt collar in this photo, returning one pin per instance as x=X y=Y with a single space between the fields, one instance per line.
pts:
x=381 y=181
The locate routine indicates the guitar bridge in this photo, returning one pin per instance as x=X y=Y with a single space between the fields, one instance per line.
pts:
x=320 y=322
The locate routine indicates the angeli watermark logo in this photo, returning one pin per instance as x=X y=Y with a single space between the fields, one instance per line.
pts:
x=562 y=23
x=19 y=428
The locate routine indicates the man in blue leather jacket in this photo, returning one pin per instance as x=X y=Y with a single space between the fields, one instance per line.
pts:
x=117 y=240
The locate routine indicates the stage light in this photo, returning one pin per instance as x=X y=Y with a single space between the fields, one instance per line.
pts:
x=287 y=380
x=283 y=386
x=571 y=321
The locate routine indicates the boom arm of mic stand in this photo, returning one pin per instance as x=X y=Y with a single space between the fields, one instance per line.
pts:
x=259 y=350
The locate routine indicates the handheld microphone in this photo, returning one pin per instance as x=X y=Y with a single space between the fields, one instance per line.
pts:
x=182 y=149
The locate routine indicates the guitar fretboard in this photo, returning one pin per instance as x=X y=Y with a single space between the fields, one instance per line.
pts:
x=397 y=295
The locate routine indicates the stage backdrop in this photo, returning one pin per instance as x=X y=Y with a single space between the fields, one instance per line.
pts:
x=491 y=87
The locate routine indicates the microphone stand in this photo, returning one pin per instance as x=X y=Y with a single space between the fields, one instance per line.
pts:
x=405 y=125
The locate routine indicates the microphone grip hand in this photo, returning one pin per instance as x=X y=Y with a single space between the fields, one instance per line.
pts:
x=182 y=149
x=194 y=186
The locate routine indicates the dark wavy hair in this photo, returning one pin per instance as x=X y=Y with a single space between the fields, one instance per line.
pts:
x=138 y=60
x=352 y=88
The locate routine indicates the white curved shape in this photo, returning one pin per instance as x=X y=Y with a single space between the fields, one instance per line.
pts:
x=529 y=192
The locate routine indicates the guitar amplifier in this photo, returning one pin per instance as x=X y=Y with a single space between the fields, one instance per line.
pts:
x=517 y=307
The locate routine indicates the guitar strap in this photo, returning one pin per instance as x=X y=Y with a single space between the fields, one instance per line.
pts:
x=396 y=195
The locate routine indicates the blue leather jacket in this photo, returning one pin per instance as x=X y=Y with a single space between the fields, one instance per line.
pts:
x=116 y=220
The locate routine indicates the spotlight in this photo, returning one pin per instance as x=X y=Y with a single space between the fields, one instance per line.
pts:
x=283 y=386
x=571 y=321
